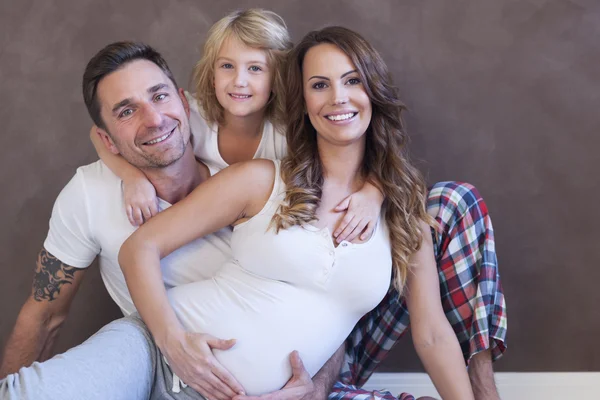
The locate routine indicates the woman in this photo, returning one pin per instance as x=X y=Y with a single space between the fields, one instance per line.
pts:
x=290 y=287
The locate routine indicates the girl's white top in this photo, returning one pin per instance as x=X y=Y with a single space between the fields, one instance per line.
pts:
x=272 y=145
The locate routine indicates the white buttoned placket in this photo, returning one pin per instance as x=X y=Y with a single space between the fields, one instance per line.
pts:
x=333 y=253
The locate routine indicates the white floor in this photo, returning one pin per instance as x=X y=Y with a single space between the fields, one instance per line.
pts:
x=511 y=385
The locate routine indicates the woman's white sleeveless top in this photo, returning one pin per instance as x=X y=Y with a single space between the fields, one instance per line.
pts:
x=292 y=290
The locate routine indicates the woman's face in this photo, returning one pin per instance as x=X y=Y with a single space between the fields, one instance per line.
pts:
x=336 y=101
x=242 y=79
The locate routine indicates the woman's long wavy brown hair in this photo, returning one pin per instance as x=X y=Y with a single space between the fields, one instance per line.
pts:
x=385 y=161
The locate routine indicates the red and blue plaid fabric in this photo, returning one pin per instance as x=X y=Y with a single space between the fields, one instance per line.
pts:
x=469 y=284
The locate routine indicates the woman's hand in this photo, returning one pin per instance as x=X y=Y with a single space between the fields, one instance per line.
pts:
x=363 y=209
x=140 y=199
x=191 y=358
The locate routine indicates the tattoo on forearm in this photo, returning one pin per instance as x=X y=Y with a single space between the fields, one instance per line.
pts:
x=50 y=275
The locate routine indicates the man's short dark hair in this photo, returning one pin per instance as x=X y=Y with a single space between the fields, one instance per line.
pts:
x=110 y=59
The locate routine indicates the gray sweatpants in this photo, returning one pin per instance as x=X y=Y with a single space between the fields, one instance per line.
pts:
x=120 y=361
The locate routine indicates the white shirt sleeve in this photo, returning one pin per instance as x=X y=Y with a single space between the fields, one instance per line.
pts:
x=70 y=236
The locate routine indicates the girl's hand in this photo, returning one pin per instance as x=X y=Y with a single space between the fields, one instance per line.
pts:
x=139 y=195
x=363 y=209
x=140 y=199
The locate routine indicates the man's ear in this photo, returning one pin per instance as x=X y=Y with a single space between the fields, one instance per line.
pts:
x=107 y=140
x=186 y=104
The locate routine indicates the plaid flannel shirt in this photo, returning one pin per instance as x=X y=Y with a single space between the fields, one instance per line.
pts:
x=469 y=284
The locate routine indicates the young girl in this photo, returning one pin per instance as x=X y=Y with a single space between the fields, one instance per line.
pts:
x=237 y=114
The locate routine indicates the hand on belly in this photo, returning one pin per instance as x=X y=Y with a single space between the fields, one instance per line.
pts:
x=267 y=328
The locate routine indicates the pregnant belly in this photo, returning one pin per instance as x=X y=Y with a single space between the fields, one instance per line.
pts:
x=269 y=320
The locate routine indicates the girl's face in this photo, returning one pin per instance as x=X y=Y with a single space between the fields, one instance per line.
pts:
x=336 y=100
x=242 y=79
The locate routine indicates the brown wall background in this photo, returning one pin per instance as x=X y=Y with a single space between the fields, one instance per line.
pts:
x=503 y=94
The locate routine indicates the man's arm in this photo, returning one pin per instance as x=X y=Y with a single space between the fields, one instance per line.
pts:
x=32 y=339
x=301 y=386
x=328 y=374
x=481 y=375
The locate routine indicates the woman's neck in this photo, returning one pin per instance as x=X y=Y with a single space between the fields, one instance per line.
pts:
x=342 y=165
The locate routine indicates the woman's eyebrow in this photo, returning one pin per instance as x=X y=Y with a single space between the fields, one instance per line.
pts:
x=318 y=77
x=348 y=73
x=325 y=78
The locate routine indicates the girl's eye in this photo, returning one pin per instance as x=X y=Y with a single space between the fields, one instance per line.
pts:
x=227 y=66
x=319 y=85
x=255 y=68
x=353 y=81
x=160 y=97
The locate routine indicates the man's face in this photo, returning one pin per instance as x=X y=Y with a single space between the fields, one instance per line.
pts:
x=146 y=117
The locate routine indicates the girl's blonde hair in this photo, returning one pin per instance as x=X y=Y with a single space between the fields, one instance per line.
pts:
x=257 y=28
x=385 y=159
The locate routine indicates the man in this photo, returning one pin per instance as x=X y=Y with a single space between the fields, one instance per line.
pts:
x=133 y=98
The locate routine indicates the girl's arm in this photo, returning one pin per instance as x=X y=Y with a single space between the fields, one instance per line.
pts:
x=362 y=212
x=433 y=337
x=139 y=195
x=233 y=195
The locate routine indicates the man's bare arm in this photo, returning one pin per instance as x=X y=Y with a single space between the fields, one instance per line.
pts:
x=328 y=374
x=301 y=386
x=32 y=339
x=481 y=375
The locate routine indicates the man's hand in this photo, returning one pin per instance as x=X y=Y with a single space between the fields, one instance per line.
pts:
x=192 y=360
x=299 y=387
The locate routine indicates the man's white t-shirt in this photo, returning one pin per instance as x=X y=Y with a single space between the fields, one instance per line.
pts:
x=89 y=219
